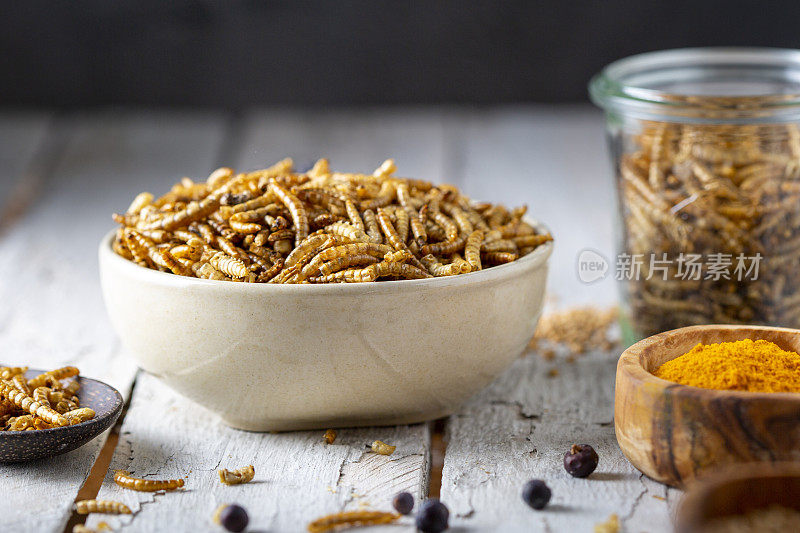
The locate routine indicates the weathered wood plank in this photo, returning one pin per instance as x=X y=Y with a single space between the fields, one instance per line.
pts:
x=53 y=312
x=21 y=136
x=298 y=476
x=519 y=428
x=554 y=160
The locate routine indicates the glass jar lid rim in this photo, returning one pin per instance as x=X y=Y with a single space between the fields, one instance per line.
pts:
x=681 y=83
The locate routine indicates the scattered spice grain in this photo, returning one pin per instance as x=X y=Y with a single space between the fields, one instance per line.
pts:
x=609 y=526
x=578 y=329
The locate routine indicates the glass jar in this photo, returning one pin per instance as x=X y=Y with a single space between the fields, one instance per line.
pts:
x=706 y=152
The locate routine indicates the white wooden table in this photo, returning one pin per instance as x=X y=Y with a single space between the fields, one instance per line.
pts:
x=61 y=175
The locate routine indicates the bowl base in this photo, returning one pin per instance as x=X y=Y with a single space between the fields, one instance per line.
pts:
x=337 y=423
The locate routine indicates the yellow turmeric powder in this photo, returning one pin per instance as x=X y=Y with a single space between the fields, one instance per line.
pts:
x=747 y=365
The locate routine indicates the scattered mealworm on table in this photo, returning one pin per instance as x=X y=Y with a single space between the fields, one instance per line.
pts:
x=101 y=506
x=351 y=519
x=381 y=448
x=329 y=436
x=238 y=476
x=127 y=481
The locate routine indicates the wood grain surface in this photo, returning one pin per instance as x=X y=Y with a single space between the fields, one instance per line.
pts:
x=94 y=163
x=298 y=476
x=519 y=429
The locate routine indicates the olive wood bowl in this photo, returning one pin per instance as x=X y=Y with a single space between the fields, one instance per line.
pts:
x=736 y=491
x=105 y=400
x=673 y=432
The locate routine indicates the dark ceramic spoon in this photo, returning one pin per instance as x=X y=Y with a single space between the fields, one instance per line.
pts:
x=19 y=446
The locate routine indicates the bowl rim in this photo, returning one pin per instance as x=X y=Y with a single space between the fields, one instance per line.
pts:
x=532 y=261
x=630 y=365
x=692 y=508
x=97 y=421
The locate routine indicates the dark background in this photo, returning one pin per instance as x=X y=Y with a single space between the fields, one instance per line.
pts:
x=240 y=53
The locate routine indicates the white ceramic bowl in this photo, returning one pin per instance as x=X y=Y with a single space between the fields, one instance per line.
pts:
x=286 y=357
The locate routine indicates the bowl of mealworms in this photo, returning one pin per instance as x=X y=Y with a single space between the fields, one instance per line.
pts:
x=284 y=300
x=43 y=414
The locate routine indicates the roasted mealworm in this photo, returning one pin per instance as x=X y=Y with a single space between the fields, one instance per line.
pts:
x=341 y=263
x=127 y=481
x=353 y=215
x=401 y=216
x=472 y=249
x=387 y=168
x=72 y=387
x=79 y=415
x=502 y=245
x=450 y=228
x=463 y=266
x=444 y=247
x=20 y=423
x=228 y=265
x=138 y=203
x=21 y=384
x=236 y=477
x=295 y=207
x=500 y=257
x=381 y=448
x=8 y=372
x=64 y=406
x=400 y=270
x=345 y=229
x=58 y=373
x=31 y=406
x=438 y=269
x=351 y=519
x=371 y=227
x=101 y=506
x=41 y=395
